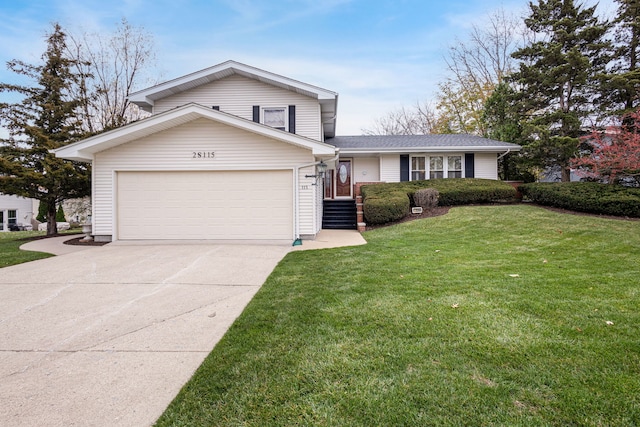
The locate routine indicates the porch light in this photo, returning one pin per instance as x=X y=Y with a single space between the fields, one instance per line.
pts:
x=321 y=168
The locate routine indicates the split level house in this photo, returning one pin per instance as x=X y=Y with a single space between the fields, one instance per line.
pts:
x=234 y=152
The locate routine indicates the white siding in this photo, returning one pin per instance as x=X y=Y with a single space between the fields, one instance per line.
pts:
x=486 y=165
x=172 y=150
x=307 y=201
x=23 y=207
x=366 y=169
x=390 y=168
x=237 y=95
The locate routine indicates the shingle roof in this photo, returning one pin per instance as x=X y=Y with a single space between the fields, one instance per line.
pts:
x=413 y=142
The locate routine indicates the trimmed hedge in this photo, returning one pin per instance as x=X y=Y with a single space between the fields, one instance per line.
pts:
x=387 y=209
x=384 y=203
x=590 y=197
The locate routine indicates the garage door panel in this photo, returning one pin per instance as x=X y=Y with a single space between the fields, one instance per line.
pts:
x=236 y=205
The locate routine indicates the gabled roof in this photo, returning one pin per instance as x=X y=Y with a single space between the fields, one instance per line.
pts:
x=418 y=143
x=85 y=149
x=328 y=100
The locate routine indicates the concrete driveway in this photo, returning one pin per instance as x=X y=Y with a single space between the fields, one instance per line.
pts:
x=108 y=336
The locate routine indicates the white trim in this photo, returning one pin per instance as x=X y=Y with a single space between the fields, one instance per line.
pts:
x=427 y=164
x=285 y=119
x=85 y=149
x=180 y=84
x=435 y=149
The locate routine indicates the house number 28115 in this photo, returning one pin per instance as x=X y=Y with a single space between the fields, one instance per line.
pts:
x=203 y=154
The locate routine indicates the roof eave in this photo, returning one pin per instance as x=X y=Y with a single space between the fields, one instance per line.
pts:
x=85 y=149
x=439 y=149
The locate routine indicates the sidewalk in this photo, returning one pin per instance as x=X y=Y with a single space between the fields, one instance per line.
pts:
x=55 y=245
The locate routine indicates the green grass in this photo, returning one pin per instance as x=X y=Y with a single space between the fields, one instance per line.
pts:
x=10 y=253
x=428 y=325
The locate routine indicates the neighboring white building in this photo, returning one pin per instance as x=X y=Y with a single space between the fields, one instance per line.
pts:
x=232 y=152
x=15 y=211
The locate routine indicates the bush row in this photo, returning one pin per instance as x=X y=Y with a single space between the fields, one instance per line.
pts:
x=590 y=197
x=392 y=201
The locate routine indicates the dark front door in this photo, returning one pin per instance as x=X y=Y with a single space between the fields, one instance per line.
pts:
x=343 y=179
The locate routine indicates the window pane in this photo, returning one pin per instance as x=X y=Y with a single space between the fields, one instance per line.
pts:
x=435 y=163
x=454 y=163
x=274 y=117
x=1 y=220
x=417 y=175
x=435 y=174
x=11 y=217
x=417 y=163
x=454 y=174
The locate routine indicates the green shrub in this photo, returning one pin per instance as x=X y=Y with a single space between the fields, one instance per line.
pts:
x=60 y=215
x=590 y=197
x=452 y=191
x=426 y=198
x=42 y=212
x=381 y=210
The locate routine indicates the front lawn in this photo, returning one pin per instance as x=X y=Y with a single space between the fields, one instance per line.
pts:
x=490 y=315
x=10 y=252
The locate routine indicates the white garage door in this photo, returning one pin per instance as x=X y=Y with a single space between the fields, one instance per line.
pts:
x=225 y=205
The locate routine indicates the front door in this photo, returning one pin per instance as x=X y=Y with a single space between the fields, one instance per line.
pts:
x=343 y=179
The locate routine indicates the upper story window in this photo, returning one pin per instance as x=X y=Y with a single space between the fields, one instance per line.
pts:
x=275 y=117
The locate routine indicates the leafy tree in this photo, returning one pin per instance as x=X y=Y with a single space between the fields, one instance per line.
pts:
x=621 y=86
x=475 y=67
x=419 y=120
x=110 y=67
x=43 y=120
x=614 y=154
x=557 y=78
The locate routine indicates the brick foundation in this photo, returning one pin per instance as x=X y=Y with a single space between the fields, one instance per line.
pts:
x=362 y=226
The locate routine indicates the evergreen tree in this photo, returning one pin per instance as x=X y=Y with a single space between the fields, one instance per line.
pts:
x=621 y=86
x=557 y=78
x=43 y=120
x=502 y=122
x=60 y=215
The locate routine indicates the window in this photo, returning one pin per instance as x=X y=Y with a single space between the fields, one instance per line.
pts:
x=275 y=117
x=417 y=168
x=1 y=220
x=454 y=167
x=436 y=167
x=12 y=217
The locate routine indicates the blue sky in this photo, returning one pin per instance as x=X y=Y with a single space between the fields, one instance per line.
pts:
x=378 y=55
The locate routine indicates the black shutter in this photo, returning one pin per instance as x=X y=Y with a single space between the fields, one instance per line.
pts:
x=404 y=167
x=216 y=107
x=256 y=113
x=469 y=165
x=292 y=118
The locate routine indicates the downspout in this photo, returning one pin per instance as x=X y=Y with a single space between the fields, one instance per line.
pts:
x=504 y=154
x=296 y=181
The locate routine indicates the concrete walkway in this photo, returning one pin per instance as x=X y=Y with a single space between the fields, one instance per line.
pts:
x=324 y=240
x=107 y=336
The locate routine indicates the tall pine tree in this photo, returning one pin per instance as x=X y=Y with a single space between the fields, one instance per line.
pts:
x=43 y=120
x=557 y=80
x=621 y=94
